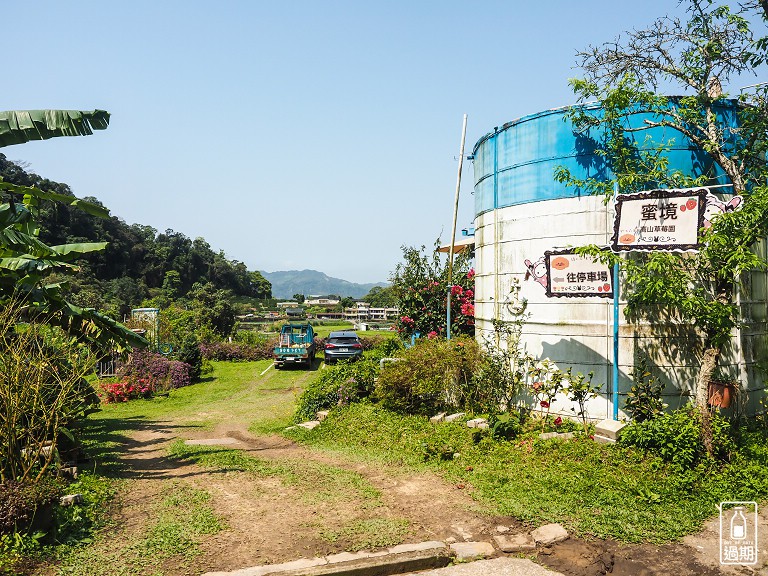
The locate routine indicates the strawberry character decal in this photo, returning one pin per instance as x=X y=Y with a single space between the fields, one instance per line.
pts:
x=537 y=270
x=714 y=207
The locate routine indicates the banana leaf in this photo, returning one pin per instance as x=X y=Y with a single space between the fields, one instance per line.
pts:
x=19 y=126
x=30 y=193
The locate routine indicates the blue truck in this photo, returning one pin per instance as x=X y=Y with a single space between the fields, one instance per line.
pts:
x=296 y=345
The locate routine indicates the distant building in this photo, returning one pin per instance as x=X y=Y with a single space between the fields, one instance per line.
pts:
x=363 y=311
x=321 y=302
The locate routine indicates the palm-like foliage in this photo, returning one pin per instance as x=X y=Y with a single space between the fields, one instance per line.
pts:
x=24 y=259
x=19 y=126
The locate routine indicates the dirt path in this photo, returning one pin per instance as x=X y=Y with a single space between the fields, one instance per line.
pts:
x=269 y=519
x=269 y=523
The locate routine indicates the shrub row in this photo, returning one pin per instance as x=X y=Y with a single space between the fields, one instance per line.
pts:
x=145 y=374
x=238 y=351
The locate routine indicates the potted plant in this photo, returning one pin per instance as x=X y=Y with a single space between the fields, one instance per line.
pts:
x=721 y=392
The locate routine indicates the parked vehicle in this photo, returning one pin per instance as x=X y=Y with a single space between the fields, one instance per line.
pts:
x=343 y=345
x=296 y=345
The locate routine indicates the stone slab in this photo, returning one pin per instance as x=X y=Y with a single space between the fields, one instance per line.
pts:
x=609 y=428
x=322 y=415
x=296 y=565
x=311 y=425
x=71 y=499
x=549 y=534
x=350 y=556
x=406 y=558
x=418 y=547
x=503 y=529
x=380 y=565
x=437 y=418
x=212 y=442
x=477 y=423
x=495 y=567
x=514 y=542
x=557 y=435
x=603 y=440
x=454 y=417
x=470 y=550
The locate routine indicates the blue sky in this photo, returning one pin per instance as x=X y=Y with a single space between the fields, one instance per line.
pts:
x=294 y=134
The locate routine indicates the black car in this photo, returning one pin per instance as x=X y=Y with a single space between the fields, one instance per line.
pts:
x=342 y=346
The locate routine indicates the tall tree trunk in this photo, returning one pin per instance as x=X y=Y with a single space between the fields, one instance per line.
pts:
x=708 y=365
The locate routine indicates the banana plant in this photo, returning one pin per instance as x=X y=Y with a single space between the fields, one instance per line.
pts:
x=24 y=259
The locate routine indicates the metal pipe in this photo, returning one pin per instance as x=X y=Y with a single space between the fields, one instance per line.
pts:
x=616 y=341
x=453 y=228
x=616 y=269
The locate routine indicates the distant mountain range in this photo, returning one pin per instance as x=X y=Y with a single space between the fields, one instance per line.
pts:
x=286 y=283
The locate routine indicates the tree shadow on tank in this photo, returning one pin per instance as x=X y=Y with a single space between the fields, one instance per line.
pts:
x=593 y=165
x=673 y=356
x=571 y=353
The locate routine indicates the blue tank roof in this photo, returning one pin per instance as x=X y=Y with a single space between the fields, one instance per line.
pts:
x=516 y=163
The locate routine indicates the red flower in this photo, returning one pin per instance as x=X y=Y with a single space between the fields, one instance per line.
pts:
x=471 y=273
x=544 y=404
x=456 y=290
x=558 y=421
x=432 y=334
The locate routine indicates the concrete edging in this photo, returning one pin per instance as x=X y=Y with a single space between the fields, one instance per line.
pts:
x=396 y=560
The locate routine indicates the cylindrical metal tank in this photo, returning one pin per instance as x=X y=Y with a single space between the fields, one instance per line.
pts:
x=521 y=212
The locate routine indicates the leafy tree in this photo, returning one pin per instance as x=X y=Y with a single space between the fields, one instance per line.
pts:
x=190 y=353
x=714 y=46
x=346 y=302
x=260 y=286
x=172 y=284
x=213 y=309
x=420 y=285
x=381 y=297
x=299 y=298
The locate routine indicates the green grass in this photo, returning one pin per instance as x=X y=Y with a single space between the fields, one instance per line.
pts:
x=594 y=490
x=229 y=394
x=325 y=329
x=370 y=533
x=179 y=521
x=318 y=482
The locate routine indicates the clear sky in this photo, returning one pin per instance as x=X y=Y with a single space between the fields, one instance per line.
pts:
x=293 y=134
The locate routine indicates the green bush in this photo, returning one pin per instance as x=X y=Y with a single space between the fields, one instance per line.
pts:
x=676 y=437
x=20 y=500
x=190 y=354
x=433 y=375
x=644 y=399
x=345 y=382
x=506 y=426
x=342 y=383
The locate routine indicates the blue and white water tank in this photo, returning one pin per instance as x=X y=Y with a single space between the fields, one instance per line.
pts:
x=521 y=212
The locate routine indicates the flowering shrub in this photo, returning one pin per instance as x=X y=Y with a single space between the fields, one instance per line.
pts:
x=144 y=374
x=124 y=390
x=421 y=288
x=238 y=351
